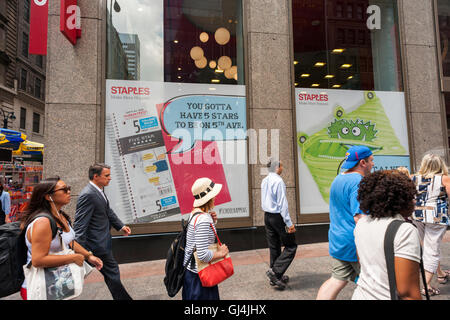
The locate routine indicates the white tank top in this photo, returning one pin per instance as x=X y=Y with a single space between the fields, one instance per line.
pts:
x=55 y=245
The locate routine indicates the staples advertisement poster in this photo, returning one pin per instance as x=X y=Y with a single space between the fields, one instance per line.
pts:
x=161 y=137
x=329 y=122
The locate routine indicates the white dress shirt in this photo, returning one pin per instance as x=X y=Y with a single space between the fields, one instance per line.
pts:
x=273 y=197
x=100 y=190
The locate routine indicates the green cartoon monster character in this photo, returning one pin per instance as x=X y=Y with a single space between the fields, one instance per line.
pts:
x=353 y=130
x=324 y=151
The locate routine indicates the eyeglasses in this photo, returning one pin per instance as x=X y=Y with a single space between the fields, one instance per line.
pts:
x=66 y=189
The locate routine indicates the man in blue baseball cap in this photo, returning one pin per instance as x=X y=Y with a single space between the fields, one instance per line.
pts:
x=344 y=214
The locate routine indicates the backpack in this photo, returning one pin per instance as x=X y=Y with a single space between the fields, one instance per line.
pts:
x=13 y=255
x=175 y=268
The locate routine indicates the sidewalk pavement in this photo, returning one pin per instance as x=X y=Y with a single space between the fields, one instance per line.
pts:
x=310 y=268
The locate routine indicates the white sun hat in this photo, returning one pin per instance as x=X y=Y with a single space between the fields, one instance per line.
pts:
x=203 y=190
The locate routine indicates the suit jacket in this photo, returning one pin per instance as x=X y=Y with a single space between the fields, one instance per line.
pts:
x=93 y=220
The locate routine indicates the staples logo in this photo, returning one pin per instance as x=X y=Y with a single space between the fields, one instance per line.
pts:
x=131 y=90
x=307 y=97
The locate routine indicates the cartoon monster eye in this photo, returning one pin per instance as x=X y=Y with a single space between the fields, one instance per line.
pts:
x=345 y=130
x=356 y=131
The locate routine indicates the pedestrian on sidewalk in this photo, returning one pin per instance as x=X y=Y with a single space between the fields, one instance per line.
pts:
x=200 y=235
x=93 y=220
x=344 y=214
x=5 y=205
x=386 y=196
x=49 y=196
x=280 y=231
x=431 y=213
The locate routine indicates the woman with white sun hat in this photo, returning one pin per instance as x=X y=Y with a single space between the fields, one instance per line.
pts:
x=200 y=235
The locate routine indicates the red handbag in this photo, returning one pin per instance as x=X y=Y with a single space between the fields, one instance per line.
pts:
x=214 y=272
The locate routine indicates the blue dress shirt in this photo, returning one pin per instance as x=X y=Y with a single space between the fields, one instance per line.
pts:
x=273 y=197
x=6 y=202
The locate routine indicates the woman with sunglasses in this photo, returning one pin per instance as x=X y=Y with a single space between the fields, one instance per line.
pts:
x=49 y=196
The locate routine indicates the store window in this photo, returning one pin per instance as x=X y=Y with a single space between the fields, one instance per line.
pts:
x=175 y=107
x=348 y=90
x=443 y=20
x=444 y=33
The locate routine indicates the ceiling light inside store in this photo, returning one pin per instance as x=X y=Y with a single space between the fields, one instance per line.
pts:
x=201 y=63
x=329 y=76
x=350 y=78
x=179 y=69
x=204 y=37
x=295 y=62
x=196 y=53
x=315 y=85
x=320 y=64
x=222 y=36
x=296 y=84
x=175 y=41
x=218 y=70
x=346 y=66
x=224 y=62
x=337 y=86
x=305 y=75
x=215 y=80
x=337 y=51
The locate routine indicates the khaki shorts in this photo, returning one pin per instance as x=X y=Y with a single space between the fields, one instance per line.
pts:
x=344 y=270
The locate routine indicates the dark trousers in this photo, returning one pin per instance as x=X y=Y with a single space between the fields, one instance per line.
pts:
x=111 y=273
x=276 y=237
x=193 y=289
x=2 y=217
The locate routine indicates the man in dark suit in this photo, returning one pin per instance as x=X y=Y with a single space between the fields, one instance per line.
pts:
x=93 y=220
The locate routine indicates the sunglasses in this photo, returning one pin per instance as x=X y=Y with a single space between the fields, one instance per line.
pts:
x=65 y=189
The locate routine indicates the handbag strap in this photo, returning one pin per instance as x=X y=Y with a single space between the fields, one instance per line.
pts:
x=215 y=233
x=214 y=230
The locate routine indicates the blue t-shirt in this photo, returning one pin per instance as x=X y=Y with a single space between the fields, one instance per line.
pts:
x=343 y=207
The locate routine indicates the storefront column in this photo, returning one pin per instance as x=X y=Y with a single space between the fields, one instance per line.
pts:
x=270 y=87
x=73 y=98
x=427 y=131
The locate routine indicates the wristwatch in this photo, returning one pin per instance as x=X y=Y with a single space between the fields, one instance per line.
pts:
x=89 y=254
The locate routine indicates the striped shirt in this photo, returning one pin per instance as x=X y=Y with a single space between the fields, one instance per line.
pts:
x=199 y=238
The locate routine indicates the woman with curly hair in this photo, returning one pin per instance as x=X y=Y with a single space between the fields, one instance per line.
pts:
x=385 y=196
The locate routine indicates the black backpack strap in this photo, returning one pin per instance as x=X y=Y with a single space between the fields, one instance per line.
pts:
x=53 y=224
x=191 y=260
x=389 y=254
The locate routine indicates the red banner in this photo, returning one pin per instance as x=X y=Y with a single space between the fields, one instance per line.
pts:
x=70 y=24
x=38 y=27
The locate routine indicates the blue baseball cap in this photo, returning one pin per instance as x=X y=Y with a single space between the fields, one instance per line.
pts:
x=354 y=154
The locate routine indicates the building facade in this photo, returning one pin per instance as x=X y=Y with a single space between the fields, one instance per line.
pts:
x=302 y=79
x=22 y=75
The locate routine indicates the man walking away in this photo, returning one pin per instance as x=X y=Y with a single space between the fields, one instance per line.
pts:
x=344 y=214
x=280 y=231
x=93 y=220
